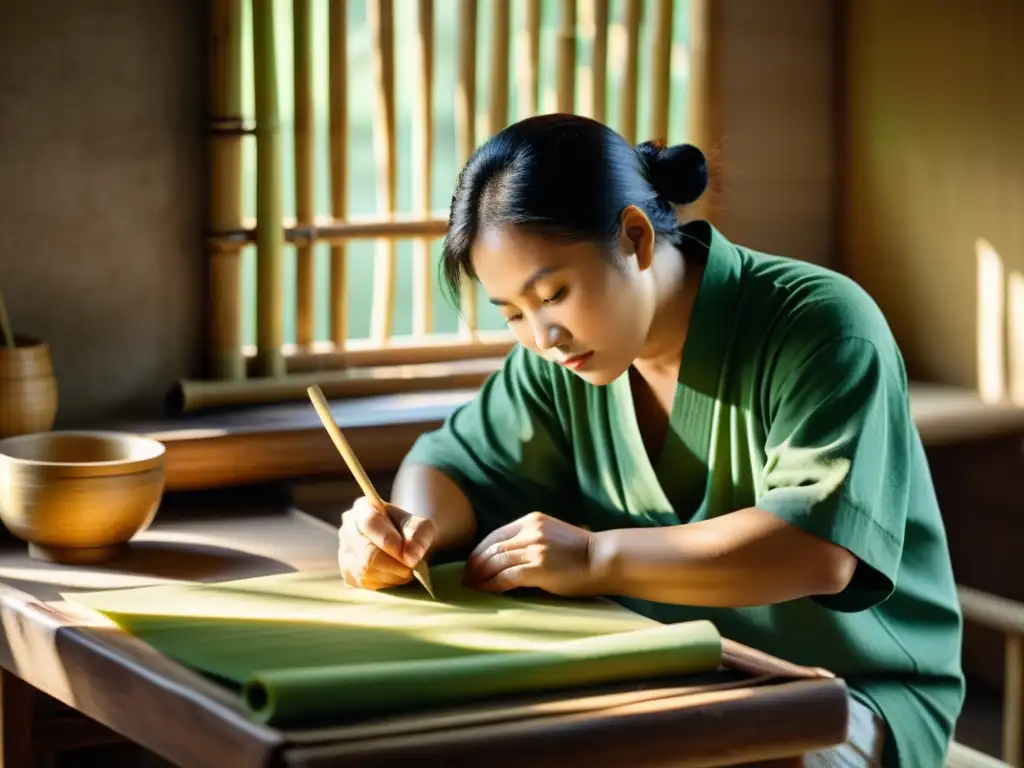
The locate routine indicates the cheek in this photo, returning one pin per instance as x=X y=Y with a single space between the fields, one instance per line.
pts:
x=523 y=332
x=612 y=311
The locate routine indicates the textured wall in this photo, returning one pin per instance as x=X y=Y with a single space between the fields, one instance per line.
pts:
x=778 y=132
x=101 y=193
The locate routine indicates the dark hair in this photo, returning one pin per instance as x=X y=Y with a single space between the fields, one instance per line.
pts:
x=567 y=177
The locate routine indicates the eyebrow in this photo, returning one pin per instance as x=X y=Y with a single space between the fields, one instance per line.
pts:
x=528 y=284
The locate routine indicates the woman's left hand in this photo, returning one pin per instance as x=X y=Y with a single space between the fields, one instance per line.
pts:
x=534 y=551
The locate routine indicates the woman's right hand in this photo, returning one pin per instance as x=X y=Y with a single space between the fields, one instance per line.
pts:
x=377 y=548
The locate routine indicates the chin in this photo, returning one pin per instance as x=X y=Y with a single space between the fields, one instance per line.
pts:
x=600 y=377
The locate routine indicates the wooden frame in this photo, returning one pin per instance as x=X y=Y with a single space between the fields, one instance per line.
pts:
x=1005 y=616
x=234 y=369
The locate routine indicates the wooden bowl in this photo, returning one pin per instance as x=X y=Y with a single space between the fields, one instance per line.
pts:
x=28 y=388
x=79 y=496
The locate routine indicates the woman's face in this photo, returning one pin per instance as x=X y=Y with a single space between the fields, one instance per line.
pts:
x=572 y=304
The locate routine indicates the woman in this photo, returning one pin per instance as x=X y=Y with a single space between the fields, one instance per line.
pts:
x=686 y=425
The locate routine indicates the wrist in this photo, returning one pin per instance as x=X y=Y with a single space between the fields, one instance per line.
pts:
x=603 y=563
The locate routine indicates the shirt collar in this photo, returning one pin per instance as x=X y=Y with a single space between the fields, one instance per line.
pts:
x=715 y=309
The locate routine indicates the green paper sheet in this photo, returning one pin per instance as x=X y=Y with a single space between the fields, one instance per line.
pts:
x=304 y=649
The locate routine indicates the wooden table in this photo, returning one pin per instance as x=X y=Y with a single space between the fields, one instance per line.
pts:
x=754 y=709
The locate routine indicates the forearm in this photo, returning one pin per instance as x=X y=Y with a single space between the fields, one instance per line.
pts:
x=425 y=491
x=749 y=557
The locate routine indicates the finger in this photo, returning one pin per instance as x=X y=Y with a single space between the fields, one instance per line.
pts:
x=511 y=578
x=418 y=533
x=379 y=563
x=348 y=567
x=496 y=558
x=495 y=537
x=365 y=557
x=493 y=543
x=380 y=580
x=376 y=525
x=357 y=571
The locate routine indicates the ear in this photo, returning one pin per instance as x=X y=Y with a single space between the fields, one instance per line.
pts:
x=637 y=236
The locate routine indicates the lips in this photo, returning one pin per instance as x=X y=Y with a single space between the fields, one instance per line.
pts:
x=577 y=361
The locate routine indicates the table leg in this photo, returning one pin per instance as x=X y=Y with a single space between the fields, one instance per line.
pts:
x=17 y=711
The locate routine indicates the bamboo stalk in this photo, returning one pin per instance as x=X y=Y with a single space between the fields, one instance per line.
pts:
x=465 y=134
x=529 y=60
x=402 y=350
x=269 y=232
x=382 y=24
x=329 y=230
x=565 y=57
x=304 y=170
x=338 y=106
x=599 y=66
x=497 y=113
x=188 y=396
x=701 y=92
x=423 y=151
x=224 y=332
x=661 y=69
x=632 y=13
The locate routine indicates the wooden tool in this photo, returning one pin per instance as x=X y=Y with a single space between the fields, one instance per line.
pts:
x=323 y=409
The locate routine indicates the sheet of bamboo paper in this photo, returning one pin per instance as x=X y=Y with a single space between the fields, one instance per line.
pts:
x=304 y=649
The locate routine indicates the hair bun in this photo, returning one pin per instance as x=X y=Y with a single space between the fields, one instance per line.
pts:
x=678 y=173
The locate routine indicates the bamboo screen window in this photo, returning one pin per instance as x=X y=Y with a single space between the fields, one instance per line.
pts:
x=337 y=130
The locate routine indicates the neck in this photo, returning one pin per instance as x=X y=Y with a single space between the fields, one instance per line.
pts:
x=676 y=281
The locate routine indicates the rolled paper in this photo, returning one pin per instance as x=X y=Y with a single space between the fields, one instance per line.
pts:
x=304 y=649
x=284 y=697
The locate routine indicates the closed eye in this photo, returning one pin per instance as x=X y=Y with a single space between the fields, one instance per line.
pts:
x=554 y=299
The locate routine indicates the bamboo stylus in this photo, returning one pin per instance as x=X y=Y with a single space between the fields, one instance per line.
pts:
x=323 y=409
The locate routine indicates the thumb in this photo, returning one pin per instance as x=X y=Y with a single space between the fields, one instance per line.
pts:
x=418 y=533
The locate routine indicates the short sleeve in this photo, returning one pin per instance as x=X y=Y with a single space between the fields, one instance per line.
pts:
x=506 y=448
x=838 y=459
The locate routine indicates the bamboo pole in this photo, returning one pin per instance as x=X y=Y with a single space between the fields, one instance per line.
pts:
x=529 y=60
x=497 y=112
x=403 y=350
x=338 y=106
x=423 y=151
x=599 y=66
x=382 y=24
x=304 y=171
x=661 y=69
x=465 y=134
x=224 y=339
x=632 y=13
x=333 y=231
x=702 y=92
x=188 y=396
x=269 y=232
x=565 y=57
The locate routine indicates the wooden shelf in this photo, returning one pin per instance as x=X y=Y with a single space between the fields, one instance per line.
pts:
x=265 y=443
x=286 y=441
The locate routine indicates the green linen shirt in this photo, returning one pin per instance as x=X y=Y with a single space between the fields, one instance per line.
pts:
x=792 y=397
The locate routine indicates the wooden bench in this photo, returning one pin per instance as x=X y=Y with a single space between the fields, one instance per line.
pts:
x=1006 y=616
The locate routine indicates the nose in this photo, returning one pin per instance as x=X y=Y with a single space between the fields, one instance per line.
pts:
x=548 y=335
